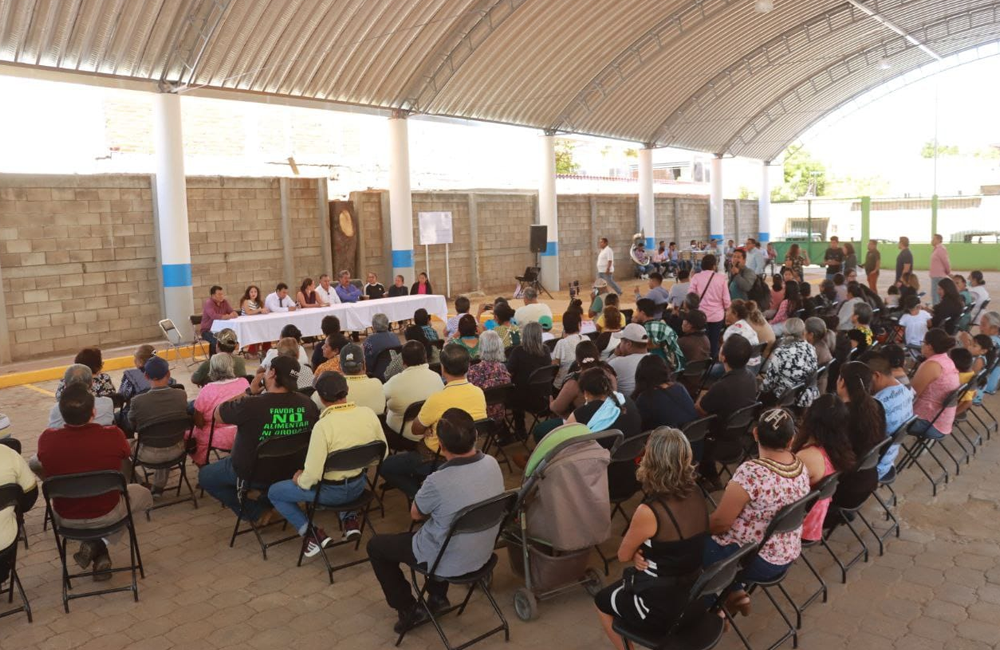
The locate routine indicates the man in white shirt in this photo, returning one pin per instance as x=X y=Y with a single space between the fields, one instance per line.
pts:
x=279 y=300
x=606 y=264
x=564 y=353
x=532 y=309
x=756 y=260
x=325 y=293
x=632 y=348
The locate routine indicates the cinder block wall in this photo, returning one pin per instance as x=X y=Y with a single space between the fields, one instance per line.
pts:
x=78 y=257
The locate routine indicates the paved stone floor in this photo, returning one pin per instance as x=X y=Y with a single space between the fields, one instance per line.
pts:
x=936 y=588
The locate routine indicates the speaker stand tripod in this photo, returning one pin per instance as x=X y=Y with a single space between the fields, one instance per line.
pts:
x=537 y=284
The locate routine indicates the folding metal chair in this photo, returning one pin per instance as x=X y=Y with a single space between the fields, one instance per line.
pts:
x=889 y=505
x=275 y=459
x=695 y=375
x=732 y=447
x=624 y=453
x=11 y=496
x=91 y=484
x=15 y=444
x=540 y=383
x=824 y=490
x=696 y=431
x=479 y=517
x=177 y=343
x=488 y=432
x=164 y=435
x=697 y=625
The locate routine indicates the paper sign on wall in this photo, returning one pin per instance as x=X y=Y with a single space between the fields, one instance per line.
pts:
x=435 y=228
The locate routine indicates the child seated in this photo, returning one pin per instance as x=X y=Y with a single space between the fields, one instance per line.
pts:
x=914 y=321
x=962 y=359
x=693 y=341
x=462 y=306
x=840 y=286
x=892 y=299
x=610 y=300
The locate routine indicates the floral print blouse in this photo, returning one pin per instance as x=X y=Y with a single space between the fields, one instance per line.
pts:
x=102 y=386
x=790 y=364
x=488 y=374
x=769 y=491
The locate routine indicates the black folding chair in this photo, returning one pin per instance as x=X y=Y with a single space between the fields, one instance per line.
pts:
x=786 y=520
x=488 y=433
x=697 y=625
x=696 y=431
x=924 y=444
x=695 y=375
x=15 y=444
x=867 y=463
x=212 y=447
x=824 y=490
x=360 y=458
x=275 y=459
x=889 y=504
x=382 y=361
x=11 y=496
x=787 y=399
x=540 y=383
x=79 y=486
x=732 y=447
x=479 y=517
x=624 y=452
x=164 y=435
x=500 y=396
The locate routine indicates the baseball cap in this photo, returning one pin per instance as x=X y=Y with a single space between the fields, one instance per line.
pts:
x=352 y=358
x=697 y=318
x=331 y=386
x=226 y=337
x=286 y=371
x=156 y=368
x=635 y=332
x=546 y=323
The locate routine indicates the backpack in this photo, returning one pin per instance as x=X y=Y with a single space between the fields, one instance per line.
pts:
x=760 y=293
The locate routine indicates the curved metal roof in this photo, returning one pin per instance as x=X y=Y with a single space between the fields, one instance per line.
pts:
x=709 y=75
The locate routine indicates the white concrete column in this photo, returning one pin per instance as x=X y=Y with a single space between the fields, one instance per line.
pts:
x=647 y=203
x=716 y=212
x=547 y=212
x=400 y=201
x=171 y=211
x=764 y=204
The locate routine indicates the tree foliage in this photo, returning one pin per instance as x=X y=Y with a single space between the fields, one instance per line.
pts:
x=804 y=175
x=927 y=151
x=564 y=157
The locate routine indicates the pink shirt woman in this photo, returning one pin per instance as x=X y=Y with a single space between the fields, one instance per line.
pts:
x=714 y=291
x=931 y=398
x=208 y=399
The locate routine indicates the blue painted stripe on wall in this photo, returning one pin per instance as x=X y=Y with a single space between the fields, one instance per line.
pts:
x=718 y=237
x=176 y=275
x=551 y=249
x=402 y=259
x=650 y=243
x=764 y=237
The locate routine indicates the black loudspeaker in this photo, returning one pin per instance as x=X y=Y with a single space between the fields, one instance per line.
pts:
x=539 y=238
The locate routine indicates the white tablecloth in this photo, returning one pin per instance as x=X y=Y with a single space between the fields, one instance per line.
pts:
x=353 y=317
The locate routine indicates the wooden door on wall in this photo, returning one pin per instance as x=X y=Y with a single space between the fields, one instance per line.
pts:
x=344 y=237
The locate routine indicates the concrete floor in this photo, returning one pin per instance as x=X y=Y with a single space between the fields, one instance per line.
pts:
x=936 y=588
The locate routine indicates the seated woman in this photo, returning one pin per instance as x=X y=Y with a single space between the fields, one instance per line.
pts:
x=525 y=359
x=252 y=303
x=665 y=540
x=422 y=286
x=288 y=331
x=570 y=396
x=792 y=362
x=612 y=323
x=661 y=401
x=822 y=340
x=102 y=384
x=306 y=297
x=373 y=289
x=866 y=428
x=133 y=383
x=737 y=324
x=423 y=320
x=507 y=331
x=468 y=335
x=787 y=308
x=948 y=312
x=331 y=355
x=758 y=490
x=605 y=409
x=935 y=379
x=823 y=445
x=330 y=326
x=490 y=371
x=223 y=386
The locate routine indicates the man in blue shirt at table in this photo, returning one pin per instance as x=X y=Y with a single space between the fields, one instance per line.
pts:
x=346 y=291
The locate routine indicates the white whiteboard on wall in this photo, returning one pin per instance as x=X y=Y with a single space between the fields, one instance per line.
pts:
x=435 y=228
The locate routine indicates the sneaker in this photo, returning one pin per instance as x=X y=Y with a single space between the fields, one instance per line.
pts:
x=102 y=567
x=352 y=527
x=311 y=544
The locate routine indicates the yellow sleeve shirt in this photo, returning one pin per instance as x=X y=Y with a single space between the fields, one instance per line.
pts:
x=458 y=394
x=340 y=426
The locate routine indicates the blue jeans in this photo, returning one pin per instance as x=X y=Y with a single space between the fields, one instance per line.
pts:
x=610 y=279
x=407 y=471
x=219 y=479
x=644 y=270
x=714 y=332
x=759 y=570
x=209 y=336
x=887 y=461
x=924 y=429
x=935 y=298
x=287 y=495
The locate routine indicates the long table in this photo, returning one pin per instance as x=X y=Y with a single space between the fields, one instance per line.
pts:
x=355 y=316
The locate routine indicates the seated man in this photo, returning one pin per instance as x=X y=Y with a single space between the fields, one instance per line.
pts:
x=532 y=310
x=341 y=425
x=656 y=293
x=663 y=340
x=103 y=406
x=346 y=291
x=406 y=471
x=381 y=339
x=14 y=471
x=216 y=307
x=160 y=403
x=80 y=446
x=466 y=477
x=289 y=348
x=326 y=294
x=642 y=261
x=278 y=301
x=414 y=384
x=363 y=390
x=226 y=342
x=281 y=411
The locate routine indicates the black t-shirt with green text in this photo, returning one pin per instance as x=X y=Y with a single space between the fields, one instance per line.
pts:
x=259 y=417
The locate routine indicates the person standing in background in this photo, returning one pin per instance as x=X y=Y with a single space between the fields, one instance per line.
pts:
x=833 y=259
x=606 y=264
x=904 y=261
x=873 y=262
x=940 y=266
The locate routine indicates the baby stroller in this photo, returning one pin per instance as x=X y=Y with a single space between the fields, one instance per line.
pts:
x=563 y=511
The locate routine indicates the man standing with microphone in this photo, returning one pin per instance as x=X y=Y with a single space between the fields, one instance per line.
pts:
x=606 y=265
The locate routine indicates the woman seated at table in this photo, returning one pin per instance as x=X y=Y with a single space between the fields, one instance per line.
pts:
x=468 y=335
x=251 y=303
x=665 y=540
x=223 y=386
x=373 y=289
x=422 y=286
x=306 y=297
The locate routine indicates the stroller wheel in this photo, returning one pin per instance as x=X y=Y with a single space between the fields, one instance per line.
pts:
x=525 y=604
x=592 y=582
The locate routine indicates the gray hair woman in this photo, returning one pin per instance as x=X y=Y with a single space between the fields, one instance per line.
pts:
x=819 y=337
x=221 y=367
x=380 y=323
x=792 y=363
x=490 y=371
x=524 y=359
x=531 y=339
x=491 y=347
